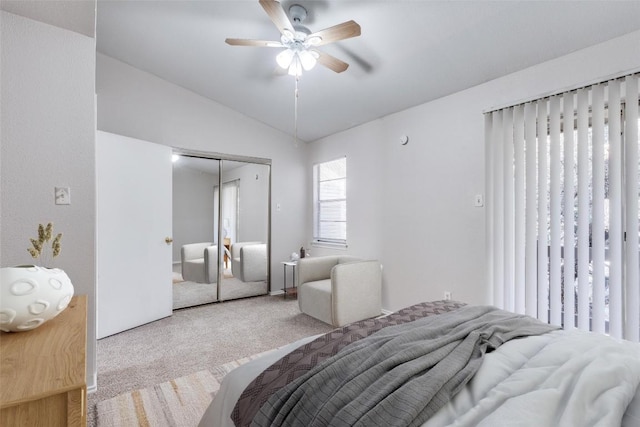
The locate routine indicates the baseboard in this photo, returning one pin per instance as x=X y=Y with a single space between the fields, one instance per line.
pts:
x=92 y=387
x=278 y=292
x=386 y=312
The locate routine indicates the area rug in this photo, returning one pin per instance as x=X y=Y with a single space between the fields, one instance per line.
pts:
x=180 y=402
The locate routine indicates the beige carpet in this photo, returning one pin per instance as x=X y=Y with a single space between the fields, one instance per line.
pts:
x=180 y=402
x=195 y=339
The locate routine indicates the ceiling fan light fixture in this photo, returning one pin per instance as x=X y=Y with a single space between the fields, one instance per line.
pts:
x=285 y=57
x=307 y=59
x=298 y=41
x=314 y=40
x=295 y=69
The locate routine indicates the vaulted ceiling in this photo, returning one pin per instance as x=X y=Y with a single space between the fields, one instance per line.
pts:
x=409 y=53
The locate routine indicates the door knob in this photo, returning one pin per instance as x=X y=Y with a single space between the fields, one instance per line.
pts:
x=169 y=240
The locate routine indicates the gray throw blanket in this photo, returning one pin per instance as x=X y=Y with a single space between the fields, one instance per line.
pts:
x=399 y=376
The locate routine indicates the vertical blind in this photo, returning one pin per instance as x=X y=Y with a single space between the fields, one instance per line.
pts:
x=563 y=216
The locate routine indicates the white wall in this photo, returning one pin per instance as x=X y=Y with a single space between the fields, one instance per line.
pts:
x=412 y=206
x=137 y=104
x=192 y=207
x=48 y=140
x=366 y=169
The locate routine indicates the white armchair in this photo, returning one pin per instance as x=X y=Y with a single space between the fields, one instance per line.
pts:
x=339 y=289
x=249 y=261
x=200 y=262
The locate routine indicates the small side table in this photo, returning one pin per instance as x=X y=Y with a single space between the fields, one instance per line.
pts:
x=293 y=291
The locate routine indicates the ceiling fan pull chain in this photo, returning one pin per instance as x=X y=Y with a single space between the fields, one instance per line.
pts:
x=295 y=114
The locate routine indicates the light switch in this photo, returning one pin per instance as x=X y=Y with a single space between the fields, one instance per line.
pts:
x=63 y=195
x=479 y=201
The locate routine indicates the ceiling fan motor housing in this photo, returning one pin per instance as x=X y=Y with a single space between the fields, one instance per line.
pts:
x=297 y=13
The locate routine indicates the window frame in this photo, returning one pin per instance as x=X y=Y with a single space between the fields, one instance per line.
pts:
x=319 y=240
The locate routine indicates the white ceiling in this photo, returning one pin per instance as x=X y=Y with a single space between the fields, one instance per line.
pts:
x=410 y=52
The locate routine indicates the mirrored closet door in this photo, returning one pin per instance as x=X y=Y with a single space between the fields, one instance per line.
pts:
x=220 y=229
x=244 y=229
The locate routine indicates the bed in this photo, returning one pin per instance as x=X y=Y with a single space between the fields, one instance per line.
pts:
x=439 y=363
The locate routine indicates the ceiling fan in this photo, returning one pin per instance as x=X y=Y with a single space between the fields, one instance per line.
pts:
x=299 y=42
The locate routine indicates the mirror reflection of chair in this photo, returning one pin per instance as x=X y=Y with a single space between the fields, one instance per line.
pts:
x=249 y=261
x=199 y=262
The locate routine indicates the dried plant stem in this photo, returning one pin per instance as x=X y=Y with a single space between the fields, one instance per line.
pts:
x=37 y=249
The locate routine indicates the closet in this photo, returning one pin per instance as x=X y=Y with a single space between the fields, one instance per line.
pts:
x=221 y=228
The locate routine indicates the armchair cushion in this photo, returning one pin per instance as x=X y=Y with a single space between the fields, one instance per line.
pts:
x=339 y=289
x=315 y=300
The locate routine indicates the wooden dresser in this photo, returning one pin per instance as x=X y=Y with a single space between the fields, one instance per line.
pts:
x=43 y=371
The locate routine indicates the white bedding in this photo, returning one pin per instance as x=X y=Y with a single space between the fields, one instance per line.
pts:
x=562 y=378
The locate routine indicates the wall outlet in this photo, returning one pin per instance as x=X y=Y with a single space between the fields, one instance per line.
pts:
x=447 y=295
x=478 y=201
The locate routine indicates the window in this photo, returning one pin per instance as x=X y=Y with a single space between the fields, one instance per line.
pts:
x=330 y=202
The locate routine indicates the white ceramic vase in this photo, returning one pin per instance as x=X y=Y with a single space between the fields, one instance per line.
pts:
x=31 y=295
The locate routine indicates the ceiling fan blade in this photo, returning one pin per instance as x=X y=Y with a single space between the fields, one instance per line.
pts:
x=331 y=62
x=346 y=30
x=277 y=15
x=249 y=42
